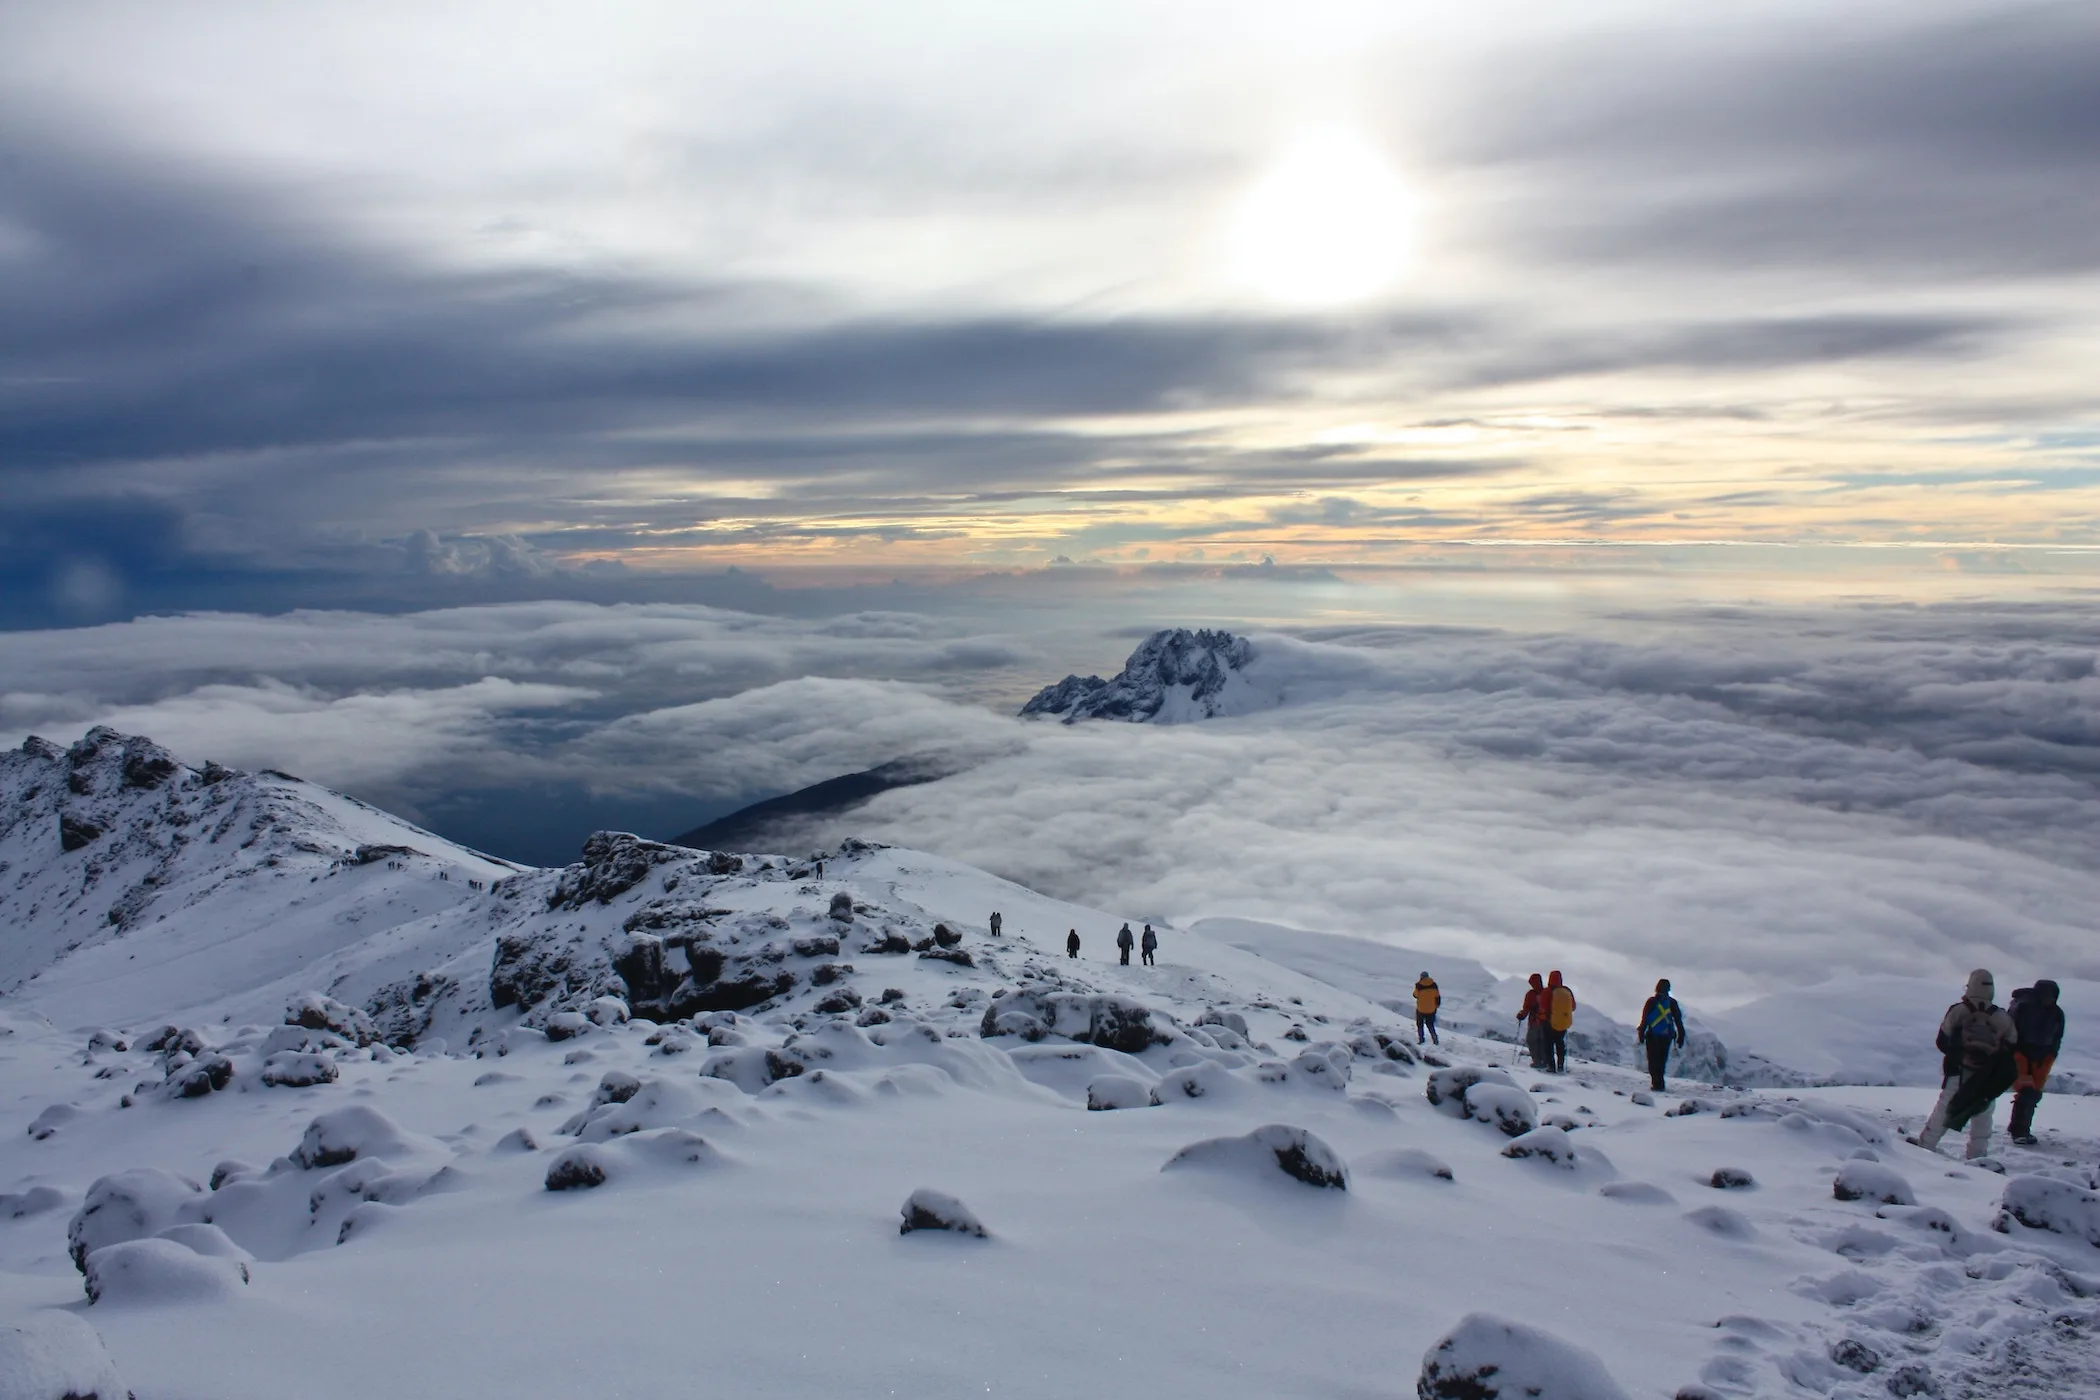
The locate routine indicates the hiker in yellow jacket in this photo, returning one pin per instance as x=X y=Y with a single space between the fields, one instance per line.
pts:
x=1560 y=1014
x=1427 y=1000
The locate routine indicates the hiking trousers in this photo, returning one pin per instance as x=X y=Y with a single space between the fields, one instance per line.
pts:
x=1126 y=957
x=1148 y=957
x=1936 y=1125
x=1426 y=1021
x=1557 y=1042
x=1658 y=1059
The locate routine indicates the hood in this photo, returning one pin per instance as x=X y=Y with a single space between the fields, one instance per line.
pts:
x=1553 y=979
x=2045 y=991
x=1981 y=989
x=1536 y=981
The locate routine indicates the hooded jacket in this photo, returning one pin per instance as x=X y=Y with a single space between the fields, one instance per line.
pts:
x=1560 y=1003
x=1123 y=939
x=2038 y=1022
x=1535 y=1005
x=1427 y=997
x=1975 y=1031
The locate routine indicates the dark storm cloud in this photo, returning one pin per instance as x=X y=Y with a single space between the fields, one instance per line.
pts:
x=1962 y=147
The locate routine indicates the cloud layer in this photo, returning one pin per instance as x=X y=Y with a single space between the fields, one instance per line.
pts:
x=1746 y=799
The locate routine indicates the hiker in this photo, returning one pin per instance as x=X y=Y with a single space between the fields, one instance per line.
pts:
x=1976 y=1043
x=1123 y=944
x=1072 y=943
x=1533 y=1015
x=1149 y=945
x=1427 y=1000
x=995 y=923
x=2038 y=1023
x=1560 y=1014
x=1662 y=1022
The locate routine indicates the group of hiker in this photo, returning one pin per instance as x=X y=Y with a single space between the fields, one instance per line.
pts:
x=1986 y=1050
x=1147 y=944
x=1547 y=1012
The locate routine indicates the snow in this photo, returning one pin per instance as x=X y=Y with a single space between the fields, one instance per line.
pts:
x=1493 y=1358
x=55 y=1356
x=734 y=1175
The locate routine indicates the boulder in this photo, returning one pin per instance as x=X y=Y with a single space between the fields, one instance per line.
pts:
x=194 y=1078
x=1275 y=1147
x=347 y=1134
x=53 y=1355
x=2044 y=1203
x=839 y=1002
x=1447 y=1087
x=1734 y=1179
x=1871 y=1181
x=294 y=1069
x=607 y=1011
x=316 y=1012
x=1112 y=1022
x=1505 y=1106
x=578 y=1169
x=936 y=1210
x=1113 y=1091
x=567 y=1025
x=842 y=907
x=1543 y=1144
x=1492 y=1358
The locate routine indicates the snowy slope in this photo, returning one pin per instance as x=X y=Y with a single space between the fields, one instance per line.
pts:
x=830 y=1038
x=132 y=885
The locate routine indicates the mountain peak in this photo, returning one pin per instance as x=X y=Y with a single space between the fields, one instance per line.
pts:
x=1175 y=674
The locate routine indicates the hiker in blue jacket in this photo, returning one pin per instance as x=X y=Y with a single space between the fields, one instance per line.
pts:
x=1661 y=1023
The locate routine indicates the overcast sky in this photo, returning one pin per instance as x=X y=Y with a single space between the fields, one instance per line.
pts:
x=319 y=304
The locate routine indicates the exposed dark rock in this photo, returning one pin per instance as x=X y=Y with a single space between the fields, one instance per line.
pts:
x=945 y=936
x=842 y=907
x=888 y=943
x=824 y=974
x=577 y=1169
x=936 y=1210
x=959 y=956
x=843 y=1000
x=1201 y=661
x=75 y=832
x=822 y=946
x=373 y=854
x=1731 y=1179
x=613 y=863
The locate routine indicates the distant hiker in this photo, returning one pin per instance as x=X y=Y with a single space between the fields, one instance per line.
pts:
x=2039 y=1026
x=1149 y=944
x=1072 y=943
x=995 y=923
x=1560 y=1014
x=1124 y=943
x=1537 y=1041
x=1977 y=1064
x=1662 y=1022
x=1427 y=1000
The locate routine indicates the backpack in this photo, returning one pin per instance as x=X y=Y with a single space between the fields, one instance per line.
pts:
x=1662 y=1018
x=1561 y=1014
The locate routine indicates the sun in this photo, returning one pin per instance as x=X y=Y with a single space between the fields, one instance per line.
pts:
x=1329 y=223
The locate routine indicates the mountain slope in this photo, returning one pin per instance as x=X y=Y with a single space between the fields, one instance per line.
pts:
x=1174 y=675
x=132 y=884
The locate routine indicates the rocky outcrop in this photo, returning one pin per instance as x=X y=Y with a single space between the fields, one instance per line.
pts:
x=1194 y=667
x=1112 y=1022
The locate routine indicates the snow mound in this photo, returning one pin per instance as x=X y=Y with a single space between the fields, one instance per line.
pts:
x=161 y=1271
x=2042 y=1203
x=1493 y=1358
x=1549 y=1145
x=1721 y=1221
x=578 y=1169
x=1859 y=1180
x=130 y=1205
x=315 y=1012
x=56 y=1356
x=14 y=1205
x=927 y=1209
x=1113 y=1022
x=297 y=1069
x=1175 y=674
x=1275 y=1147
x=1636 y=1193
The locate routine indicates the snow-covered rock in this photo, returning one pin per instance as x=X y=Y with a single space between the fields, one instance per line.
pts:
x=926 y=1209
x=1275 y=1147
x=1503 y=1106
x=1447 y=1087
x=1113 y=1022
x=53 y=1355
x=1871 y=1181
x=130 y=1205
x=294 y=1069
x=1548 y=1145
x=1113 y=1091
x=1492 y=1358
x=1174 y=674
x=2042 y=1203
x=161 y=1271
x=578 y=1168
x=354 y=1133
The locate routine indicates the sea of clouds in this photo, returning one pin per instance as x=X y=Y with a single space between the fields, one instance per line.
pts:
x=1745 y=799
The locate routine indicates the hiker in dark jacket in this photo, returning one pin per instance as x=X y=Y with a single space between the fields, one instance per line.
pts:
x=1149 y=944
x=2038 y=1030
x=1560 y=1014
x=1661 y=1024
x=1072 y=943
x=996 y=921
x=1124 y=943
x=1976 y=1042
x=1428 y=997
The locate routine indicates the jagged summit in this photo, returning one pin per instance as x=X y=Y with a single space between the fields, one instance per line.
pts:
x=1175 y=674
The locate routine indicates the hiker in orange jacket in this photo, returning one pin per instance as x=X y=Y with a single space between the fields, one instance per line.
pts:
x=1533 y=1014
x=1427 y=999
x=1560 y=1014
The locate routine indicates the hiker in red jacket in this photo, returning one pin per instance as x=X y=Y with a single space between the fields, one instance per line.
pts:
x=1534 y=1013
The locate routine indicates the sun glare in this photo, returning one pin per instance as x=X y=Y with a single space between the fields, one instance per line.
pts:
x=1329 y=223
